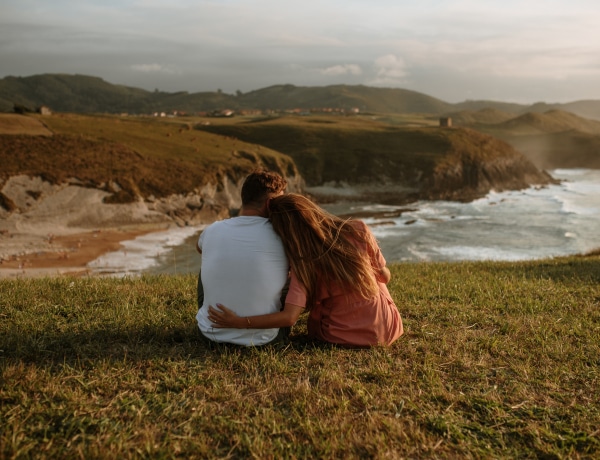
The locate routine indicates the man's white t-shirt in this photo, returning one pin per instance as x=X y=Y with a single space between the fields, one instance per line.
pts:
x=244 y=267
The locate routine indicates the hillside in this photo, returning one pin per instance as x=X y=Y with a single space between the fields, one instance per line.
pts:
x=166 y=170
x=366 y=159
x=364 y=98
x=88 y=94
x=149 y=161
x=487 y=116
x=553 y=121
x=85 y=94
x=555 y=139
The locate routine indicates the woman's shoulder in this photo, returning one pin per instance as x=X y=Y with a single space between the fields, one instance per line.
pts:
x=363 y=234
x=359 y=226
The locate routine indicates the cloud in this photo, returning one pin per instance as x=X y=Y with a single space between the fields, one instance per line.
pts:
x=390 y=70
x=345 y=69
x=487 y=49
x=156 y=68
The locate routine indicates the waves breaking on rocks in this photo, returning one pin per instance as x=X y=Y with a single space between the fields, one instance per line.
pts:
x=535 y=223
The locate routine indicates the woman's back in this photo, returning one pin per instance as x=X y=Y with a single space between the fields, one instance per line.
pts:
x=342 y=315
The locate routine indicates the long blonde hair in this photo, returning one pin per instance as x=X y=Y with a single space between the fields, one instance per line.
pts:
x=322 y=247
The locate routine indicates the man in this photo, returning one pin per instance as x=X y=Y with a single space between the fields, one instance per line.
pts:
x=244 y=265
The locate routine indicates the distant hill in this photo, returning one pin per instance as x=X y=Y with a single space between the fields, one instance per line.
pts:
x=586 y=109
x=473 y=106
x=571 y=149
x=553 y=121
x=554 y=139
x=364 y=98
x=483 y=116
x=68 y=93
x=85 y=94
x=88 y=94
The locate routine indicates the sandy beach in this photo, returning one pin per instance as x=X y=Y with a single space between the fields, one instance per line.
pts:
x=65 y=228
x=64 y=254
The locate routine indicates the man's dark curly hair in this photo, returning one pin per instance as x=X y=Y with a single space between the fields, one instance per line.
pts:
x=259 y=185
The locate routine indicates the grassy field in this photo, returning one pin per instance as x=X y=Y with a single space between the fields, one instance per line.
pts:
x=499 y=360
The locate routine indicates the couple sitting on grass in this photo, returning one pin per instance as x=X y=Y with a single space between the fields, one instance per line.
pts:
x=332 y=268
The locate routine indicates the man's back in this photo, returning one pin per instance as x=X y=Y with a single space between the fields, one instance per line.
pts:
x=244 y=267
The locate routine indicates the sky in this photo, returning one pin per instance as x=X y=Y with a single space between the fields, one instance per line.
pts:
x=522 y=51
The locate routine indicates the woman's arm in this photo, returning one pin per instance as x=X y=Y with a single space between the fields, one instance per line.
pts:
x=382 y=275
x=221 y=316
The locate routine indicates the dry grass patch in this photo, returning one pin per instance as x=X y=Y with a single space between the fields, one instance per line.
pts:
x=11 y=123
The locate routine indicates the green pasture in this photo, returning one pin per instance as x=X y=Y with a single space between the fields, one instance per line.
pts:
x=499 y=360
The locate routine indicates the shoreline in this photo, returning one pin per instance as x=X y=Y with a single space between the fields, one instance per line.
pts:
x=39 y=253
x=67 y=254
x=29 y=249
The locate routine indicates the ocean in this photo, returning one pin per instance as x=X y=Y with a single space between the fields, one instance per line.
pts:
x=535 y=223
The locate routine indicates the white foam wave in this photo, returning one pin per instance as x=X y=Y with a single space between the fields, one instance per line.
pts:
x=516 y=225
x=513 y=225
x=579 y=197
x=142 y=253
x=572 y=172
x=479 y=253
x=579 y=207
x=418 y=255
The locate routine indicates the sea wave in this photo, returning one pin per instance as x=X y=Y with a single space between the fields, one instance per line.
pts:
x=528 y=224
x=482 y=253
x=143 y=253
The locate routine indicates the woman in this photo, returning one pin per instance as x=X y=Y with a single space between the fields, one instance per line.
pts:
x=337 y=273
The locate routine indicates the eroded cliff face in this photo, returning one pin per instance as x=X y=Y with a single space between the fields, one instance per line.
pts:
x=33 y=210
x=490 y=165
x=454 y=164
x=30 y=202
x=354 y=160
x=464 y=165
x=211 y=202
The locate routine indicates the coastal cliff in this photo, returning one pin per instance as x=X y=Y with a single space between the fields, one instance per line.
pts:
x=475 y=164
x=95 y=170
x=81 y=173
x=364 y=160
x=33 y=211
